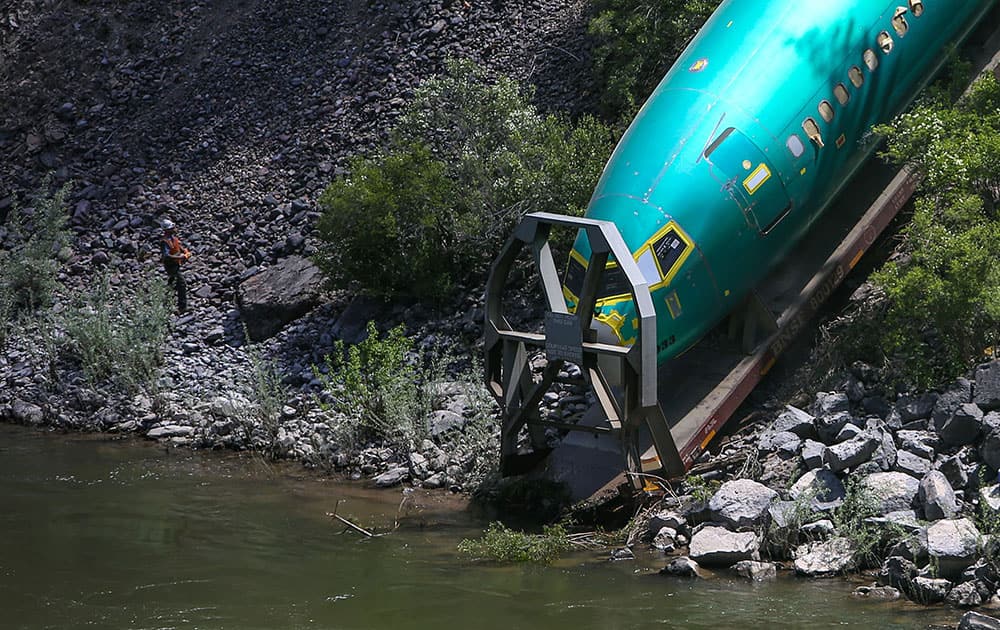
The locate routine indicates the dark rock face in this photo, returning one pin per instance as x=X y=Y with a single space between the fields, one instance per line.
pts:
x=937 y=496
x=988 y=386
x=719 y=547
x=963 y=426
x=978 y=621
x=741 y=503
x=829 y=557
x=279 y=295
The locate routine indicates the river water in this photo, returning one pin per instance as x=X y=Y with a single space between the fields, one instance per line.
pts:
x=117 y=534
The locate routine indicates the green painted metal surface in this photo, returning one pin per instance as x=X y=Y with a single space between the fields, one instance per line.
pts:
x=717 y=177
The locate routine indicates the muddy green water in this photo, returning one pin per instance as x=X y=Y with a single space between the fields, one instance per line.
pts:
x=102 y=534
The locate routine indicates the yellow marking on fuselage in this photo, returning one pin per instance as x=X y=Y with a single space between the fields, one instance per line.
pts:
x=756 y=179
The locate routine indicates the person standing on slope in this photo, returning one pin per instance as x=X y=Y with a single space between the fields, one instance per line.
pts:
x=174 y=255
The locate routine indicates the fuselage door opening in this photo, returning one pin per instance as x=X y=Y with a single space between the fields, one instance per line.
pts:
x=753 y=181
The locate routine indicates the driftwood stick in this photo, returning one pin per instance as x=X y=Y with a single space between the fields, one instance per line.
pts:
x=357 y=528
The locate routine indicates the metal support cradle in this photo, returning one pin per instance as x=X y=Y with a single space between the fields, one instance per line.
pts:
x=628 y=400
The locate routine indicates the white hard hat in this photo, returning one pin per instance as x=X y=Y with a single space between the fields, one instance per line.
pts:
x=168 y=224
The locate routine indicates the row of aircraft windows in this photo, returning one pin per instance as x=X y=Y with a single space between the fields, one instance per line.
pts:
x=856 y=77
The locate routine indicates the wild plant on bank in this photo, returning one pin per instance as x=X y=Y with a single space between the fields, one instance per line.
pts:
x=377 y=390
x=851 y=521
x=29 y=270
x=383 y=390
x=782 y=538
x=501 y=544
x=117 y=333
x=267 y=397
x=467 y=159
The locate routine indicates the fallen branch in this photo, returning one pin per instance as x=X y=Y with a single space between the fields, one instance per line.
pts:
x=357 y=528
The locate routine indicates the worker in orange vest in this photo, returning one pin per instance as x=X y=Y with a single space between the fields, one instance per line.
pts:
x=174 y=255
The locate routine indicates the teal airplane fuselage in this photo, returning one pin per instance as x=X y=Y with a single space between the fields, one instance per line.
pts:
x=759 y=124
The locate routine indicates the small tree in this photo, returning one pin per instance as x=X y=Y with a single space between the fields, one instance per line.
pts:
x=466 y=160
x=28 y=272
x=117 y=333
x=638 y=40
x=944 y=288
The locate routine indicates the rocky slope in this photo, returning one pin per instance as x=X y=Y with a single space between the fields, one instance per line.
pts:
x=230 y=118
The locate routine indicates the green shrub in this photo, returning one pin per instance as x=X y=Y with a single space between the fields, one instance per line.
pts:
x=117 y=333
x=501 y=544
x=267 y=397
x=944 y=290
x=378 y=392
x=868 y=540
x=466 y=160
x=637 y=42
x=28 y=272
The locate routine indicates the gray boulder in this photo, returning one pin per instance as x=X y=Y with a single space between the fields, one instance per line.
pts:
x=929 y=590
x=667 y=518
x=828 y=403
x=756 y=571
x=741 y=503
x=989 y=450
x=963 y=426
x=829 y=425
x=892 y=491
x=665 y=539
x=978 y=621
x=954 y=471
x=682 y=567
x=796 y=421
x=922 y=443
x=886 y=453
x=279 y=295
x=829 y=557
x=392 y=477
x=822 y=485
x=913 y=465
x=916 y=407
x=988 y=386
x=784 y=441
x=965 y=595
x=717 y=546
x=937 y=496
x=957 y=394
x=849 y=431
x=990 y=496
x=26 y=413
x=170 y=431
x=812 y=453
x=442 y=421
x=884 y=593
x=952 y=545
x=898 y=573
x=851 y=453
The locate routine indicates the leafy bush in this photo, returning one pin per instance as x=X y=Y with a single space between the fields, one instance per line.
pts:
x=117 y=333
x=944 y=290
x=267 y=397
x=638 y=41
x=501 y=544
x=378 y=392
x=466 y=160
x=868 y=540
x=28 y=272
